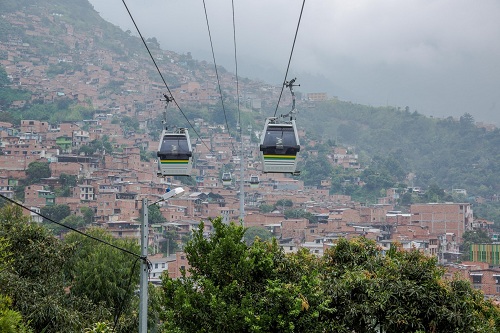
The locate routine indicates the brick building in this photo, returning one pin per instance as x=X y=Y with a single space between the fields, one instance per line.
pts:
x=442 y=218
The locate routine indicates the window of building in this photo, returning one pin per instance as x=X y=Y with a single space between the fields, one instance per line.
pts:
x=162 y=265
x=156 y=266
x=476 y=279
x=182 y=257
x=497 y=280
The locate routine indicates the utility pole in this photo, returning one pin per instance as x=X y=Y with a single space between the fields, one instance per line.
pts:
x=242 y=175
x=143 y=286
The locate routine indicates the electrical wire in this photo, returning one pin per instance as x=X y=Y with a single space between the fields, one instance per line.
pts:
x=120 y=309
x=236 y=70
x=290 y=59
x=72 y=229
x=217 y=74
x=138 y=257
x=242 y=171
x=161 y=75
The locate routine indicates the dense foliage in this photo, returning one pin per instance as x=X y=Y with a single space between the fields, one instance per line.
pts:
x=63 y=286
x=235 y=287
x=447 y=152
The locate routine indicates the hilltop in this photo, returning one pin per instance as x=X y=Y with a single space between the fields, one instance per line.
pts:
x=64 y=51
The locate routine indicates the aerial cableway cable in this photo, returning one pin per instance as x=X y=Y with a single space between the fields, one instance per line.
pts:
x=290 y=59
x=71 y=228
x=137 y=256
x=279 y=142
x=236 y=70
x=161 y=75
x=217 y=75
x=242 y=171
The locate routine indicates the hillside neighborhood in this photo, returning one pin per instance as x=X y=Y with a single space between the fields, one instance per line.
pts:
x=113 y=183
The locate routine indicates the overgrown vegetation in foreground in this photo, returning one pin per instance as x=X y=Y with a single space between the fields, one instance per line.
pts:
x=75 y=285
x=233 y=287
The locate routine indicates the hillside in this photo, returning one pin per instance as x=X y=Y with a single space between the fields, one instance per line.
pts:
x=448 y=152
x=60 y=42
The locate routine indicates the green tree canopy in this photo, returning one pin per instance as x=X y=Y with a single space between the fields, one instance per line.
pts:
x=35 y=280
x=36 y=171
x=103 y=274
x=56 y=213
x=233 y=287
x=260 y=232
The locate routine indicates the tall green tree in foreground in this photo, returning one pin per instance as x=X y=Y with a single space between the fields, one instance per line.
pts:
x=35 y=279
x=234 y=287
x=64 y=286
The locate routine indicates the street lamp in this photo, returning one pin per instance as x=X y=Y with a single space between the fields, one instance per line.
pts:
x=143 y=286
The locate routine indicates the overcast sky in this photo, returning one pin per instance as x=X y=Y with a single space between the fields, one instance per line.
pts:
x=439 y=57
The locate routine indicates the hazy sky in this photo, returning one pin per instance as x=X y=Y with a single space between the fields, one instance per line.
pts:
x=440 y=57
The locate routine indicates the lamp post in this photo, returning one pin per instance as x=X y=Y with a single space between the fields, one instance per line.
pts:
x=143 y=284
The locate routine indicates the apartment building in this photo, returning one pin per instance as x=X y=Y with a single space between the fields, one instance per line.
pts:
x=442 y=218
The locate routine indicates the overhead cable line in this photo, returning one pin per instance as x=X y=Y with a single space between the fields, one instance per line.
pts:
x=290 y=59
x=242 y=171
x=122 y=303
x=161 y=75
x=217 y=74
x=73 y=229
x=236 y=68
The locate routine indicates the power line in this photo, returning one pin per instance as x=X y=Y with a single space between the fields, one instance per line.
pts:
x=72 y=229
x=138 y=257
x=290 y=59
x=120 y=309
x=236 y=68
x=242 y=172
x=161 y=75
x=217 y=73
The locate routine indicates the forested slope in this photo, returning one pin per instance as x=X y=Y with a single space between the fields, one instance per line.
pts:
x=448 y=152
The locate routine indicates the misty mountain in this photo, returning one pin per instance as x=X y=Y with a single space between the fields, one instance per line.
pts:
x=452 y=153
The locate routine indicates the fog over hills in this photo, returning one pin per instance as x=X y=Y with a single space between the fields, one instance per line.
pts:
x=437 y=57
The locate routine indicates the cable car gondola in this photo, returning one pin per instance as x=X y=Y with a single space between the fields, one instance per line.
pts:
x=226 y=179
x=279 y=146
x=175 y=155
x=279 y=142
x=254 y=181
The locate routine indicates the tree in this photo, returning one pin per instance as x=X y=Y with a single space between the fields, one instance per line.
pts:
x=264 y=208
x=11 y=321
x=4 y=79
x=100 y=327
x=154 y=215
x=88 y=214
x=36 y=171
x=238 y=288
x=400 y=292
x=35 y=281
x=103 y=274
x=73 y=221
x=169 y=245
x=234 y=287
x=55 y=213
x=471 y=237
x=284 y=203
x=300 y=213
x=316 y=169
x=253 y=232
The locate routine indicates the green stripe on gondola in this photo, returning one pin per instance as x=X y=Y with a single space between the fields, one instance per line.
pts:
x=279 y=157
x=174 y=161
